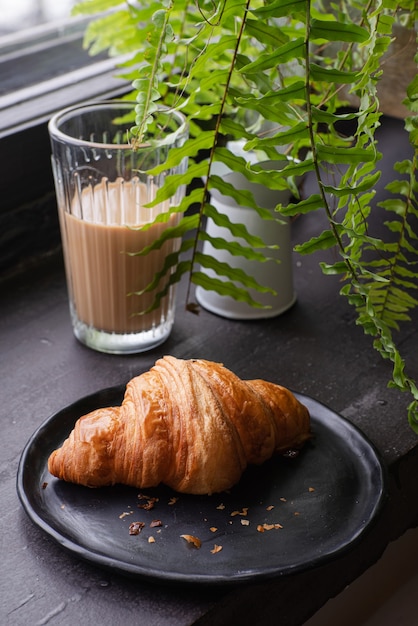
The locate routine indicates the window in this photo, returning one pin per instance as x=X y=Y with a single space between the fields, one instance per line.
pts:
x=45 y=68
x=42 y=70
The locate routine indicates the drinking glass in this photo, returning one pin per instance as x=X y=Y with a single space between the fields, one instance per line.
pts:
x=103 y=186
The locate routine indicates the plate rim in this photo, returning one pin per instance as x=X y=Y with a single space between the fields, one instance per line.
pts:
x=162 y=576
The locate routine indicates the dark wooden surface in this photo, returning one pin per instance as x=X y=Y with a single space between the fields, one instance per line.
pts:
x=314 y=348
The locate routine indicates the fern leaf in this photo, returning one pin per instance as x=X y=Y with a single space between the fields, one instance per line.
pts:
x=224 y=288
x=324 y=241
x=235 y=274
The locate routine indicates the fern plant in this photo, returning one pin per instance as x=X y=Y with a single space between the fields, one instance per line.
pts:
x=276 y=74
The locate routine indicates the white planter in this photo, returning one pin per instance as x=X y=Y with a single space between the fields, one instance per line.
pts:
x=277 y=276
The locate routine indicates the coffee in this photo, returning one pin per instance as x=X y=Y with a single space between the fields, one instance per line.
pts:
x=103 y=270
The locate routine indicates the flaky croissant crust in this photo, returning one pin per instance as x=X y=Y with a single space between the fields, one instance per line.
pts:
x=190 y=424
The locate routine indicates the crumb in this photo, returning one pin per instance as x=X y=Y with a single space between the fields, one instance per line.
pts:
x=124 y=514
x=243 y=512
x=156 y=523
x=194 y=541
x=213 y=529
x=270 y=508
x=262 y=527
x=172 y=501
x=149 y=504
x=44 y=485
x=245 y=522
x=135 y=528
x=283 y=500
x=311 y=489
x=151 y=540
x=216 y=549
x=221 y=507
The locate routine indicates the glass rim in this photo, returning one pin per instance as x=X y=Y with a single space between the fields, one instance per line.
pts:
x=56 y=133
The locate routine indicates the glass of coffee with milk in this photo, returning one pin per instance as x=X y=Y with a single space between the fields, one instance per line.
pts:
x=106 y=186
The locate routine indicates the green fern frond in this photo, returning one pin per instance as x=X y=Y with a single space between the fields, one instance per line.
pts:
x=275 y=74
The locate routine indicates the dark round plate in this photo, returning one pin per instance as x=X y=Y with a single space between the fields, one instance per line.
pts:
x=286 y=516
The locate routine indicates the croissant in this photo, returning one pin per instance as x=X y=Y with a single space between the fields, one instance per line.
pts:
x=190 y=424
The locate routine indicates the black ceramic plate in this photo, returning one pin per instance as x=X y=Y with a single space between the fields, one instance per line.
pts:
x=311 y=508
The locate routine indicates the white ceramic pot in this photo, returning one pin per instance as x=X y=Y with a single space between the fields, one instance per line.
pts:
x=276 y=275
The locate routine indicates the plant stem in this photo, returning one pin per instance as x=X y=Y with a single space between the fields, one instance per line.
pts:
x=139 y=138
x=215 y=141
x=331 y=221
